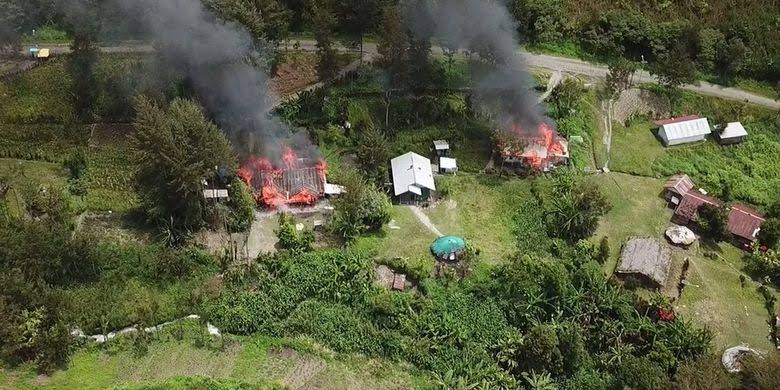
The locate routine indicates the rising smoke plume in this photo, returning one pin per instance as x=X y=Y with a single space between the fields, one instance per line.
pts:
x=484 y=27
x=217 y=59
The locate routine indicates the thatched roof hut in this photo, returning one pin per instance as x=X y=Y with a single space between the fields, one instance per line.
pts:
x=648 y=258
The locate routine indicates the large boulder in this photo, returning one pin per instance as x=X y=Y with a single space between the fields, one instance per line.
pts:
x=681 y=235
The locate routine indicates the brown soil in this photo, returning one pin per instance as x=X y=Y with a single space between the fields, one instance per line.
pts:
x=296 y=72
x=639 y=101
x=105 y=134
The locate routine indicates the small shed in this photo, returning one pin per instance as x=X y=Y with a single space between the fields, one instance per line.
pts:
x=412 y=178
x=676 y=188
x=441 y=148
x=448 y=165
x=744 y=223
x=732 y=133
x=647 y=258
x=683 y=130
x=448 y=248
x=43 y=54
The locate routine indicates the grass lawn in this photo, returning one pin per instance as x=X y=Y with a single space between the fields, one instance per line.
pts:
x=637 y=210
x=714 y=296
x=482 y=209
x=634 y=149
x=404 y=237
x=19 y=172
x=258 y=360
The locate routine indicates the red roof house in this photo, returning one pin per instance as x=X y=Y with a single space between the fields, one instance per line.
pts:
x=670 y=121
x=689 y=206
x=745 y=222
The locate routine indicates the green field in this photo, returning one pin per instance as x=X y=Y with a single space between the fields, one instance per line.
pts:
x=637 y=210
x=746 y=172
x=714 y=296
x=297 y=363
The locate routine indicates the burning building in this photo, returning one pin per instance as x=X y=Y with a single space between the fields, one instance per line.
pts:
x=540 y=152
x=297 y=181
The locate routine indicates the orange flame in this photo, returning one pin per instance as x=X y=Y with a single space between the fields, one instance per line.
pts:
x=540 y=152
x=261 y=176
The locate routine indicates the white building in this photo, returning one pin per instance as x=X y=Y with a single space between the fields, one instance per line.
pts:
x=412 y=178
x=448 y=165
x=733 y=133
x=684 y=131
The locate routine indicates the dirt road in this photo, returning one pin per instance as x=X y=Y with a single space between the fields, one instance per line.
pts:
x=543 y=61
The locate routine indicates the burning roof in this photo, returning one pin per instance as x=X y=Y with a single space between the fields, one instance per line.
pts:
x=541 y=151
x=297 y=182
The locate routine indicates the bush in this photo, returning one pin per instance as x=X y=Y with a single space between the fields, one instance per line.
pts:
x=292 y=239
x=361 y=208
x=712 y=221
x=242 y=207
x=335 y=325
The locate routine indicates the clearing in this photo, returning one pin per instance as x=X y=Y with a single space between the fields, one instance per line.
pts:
x=295 y=364
x=714 y=295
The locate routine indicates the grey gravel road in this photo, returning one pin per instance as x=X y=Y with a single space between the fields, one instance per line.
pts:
x=543 y=61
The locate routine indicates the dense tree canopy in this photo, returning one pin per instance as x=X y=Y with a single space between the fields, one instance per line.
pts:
x=177 y=149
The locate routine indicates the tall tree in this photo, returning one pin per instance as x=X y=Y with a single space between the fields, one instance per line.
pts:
x=712 y=221
x=268 y=20
x=176 y=149
x=420 y=72
x=82 y=21
x=372 y=154
x=620 y=76
x=323 y=21
x=357 y=17
x=392 y=45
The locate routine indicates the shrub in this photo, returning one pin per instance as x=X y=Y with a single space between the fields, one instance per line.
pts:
x=335 y=325
x=242 y=207
x=361 y=208
x=289 y=236
x=712 y=221
x=603 y=254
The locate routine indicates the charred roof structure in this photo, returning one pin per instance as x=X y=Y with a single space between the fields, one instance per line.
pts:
x=297 y=182
x=541 y=152
x=647 y=258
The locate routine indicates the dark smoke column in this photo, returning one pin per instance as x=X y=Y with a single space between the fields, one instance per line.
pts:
x=215 y=56
x=484 y=27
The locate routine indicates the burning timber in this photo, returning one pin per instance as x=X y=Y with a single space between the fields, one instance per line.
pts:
x=297 y=182
x=540 y=152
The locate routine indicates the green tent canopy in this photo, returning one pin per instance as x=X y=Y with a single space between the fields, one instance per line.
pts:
x=448 y=247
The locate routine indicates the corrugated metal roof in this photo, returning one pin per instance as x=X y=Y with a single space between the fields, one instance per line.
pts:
x=691 y=128
x=744 y=221
x=441 y=145
x=689 y=207
x=448 y=163
x=411 y=169
x=679 y=183
x=733 y=130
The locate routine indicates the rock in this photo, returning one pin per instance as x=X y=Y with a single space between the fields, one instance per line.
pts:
x=681 y=235
x=732 y=358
